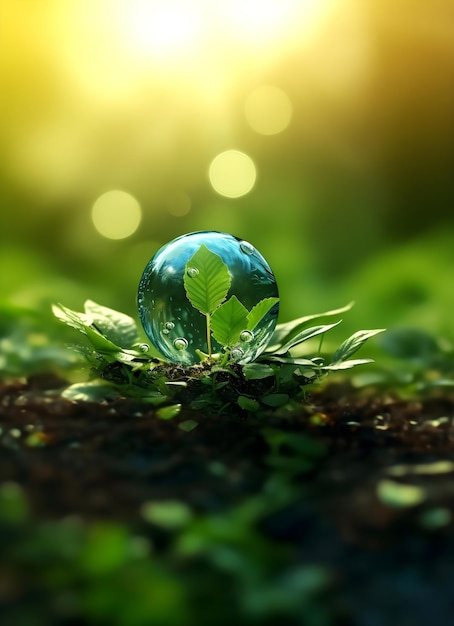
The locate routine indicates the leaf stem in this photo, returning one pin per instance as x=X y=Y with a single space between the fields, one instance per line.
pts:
x=320 y=344
x=208 y=318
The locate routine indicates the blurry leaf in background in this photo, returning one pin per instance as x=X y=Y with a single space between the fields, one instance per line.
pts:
x=410 y=343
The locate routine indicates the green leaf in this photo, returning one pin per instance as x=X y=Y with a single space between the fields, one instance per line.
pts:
x=439 y=382
x=258 y=312
x=248 y=404
x=118 y=327
x=208 y=288
x=352 y=344
x=188 y=425
x=304 y=335
x=413 y=344
x=98 y=328
x=168 y=412
x=136 y=358
x=89 y=392
x=429 y=469
x=228 y=321
x=399 y=495
x=170 y=514
x=286 y=331
x=14 y=507
x=105 y=548
x=256 y=371
x=101 y=343
x=290 y=360
x=346 y=365
x=275 y=399
x=435 y=518
x=76 y=320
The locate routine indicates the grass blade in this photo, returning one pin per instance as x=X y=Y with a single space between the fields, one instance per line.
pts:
x=304 y=335
x=352 y=344
x=286 y=331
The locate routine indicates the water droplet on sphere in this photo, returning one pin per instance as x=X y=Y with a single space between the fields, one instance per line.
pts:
x=246 y=247
x=246 y=336
x=144 y=347
x=162 y=297
x=181 y=343
x=192 y=272
x=237 y=354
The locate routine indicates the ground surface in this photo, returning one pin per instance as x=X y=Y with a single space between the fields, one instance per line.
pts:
x=370 y=480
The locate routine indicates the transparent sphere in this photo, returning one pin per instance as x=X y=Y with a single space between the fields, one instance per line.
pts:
x=171 y=314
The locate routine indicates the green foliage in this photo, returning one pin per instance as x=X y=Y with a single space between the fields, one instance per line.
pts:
x=169 y=514
x=277 y=380
x=352 y=344
x=248 y=404
x=173 y=564
x=257 y=371
x=228 y=321
x=117 y=327
x=110 y=345
x=27 y=343
x=168 y=412
x=301 y=336
x=400 y=495
x=414 y=362
x=258 y=312
x=14 y=508
x=96 y=572
x=286 y=331
x=207 y=281
x=89 y=392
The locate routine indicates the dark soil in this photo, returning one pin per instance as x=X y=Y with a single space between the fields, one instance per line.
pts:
x=393 y=562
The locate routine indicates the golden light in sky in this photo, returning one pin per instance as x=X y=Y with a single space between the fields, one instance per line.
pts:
x=116 y=93
x=259 y=22
x=160 y=29
x=113 y=45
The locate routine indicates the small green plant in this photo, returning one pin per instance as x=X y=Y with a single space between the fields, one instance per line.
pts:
x=207 y=281
x=277 y=378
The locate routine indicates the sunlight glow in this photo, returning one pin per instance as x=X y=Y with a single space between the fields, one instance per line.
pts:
x=100 y=86
x=232 y=173
x=127 y=42
x=160 y=28
x=268 y=110
x=116 y=214
x=260 y=21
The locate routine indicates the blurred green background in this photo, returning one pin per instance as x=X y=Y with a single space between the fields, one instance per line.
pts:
x=320 y=130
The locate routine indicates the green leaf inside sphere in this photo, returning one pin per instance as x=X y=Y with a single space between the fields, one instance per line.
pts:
x=206 y=280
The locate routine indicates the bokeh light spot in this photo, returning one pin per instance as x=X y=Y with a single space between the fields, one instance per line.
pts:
x=116 y=214
x=268 y=110
x=232 y=173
